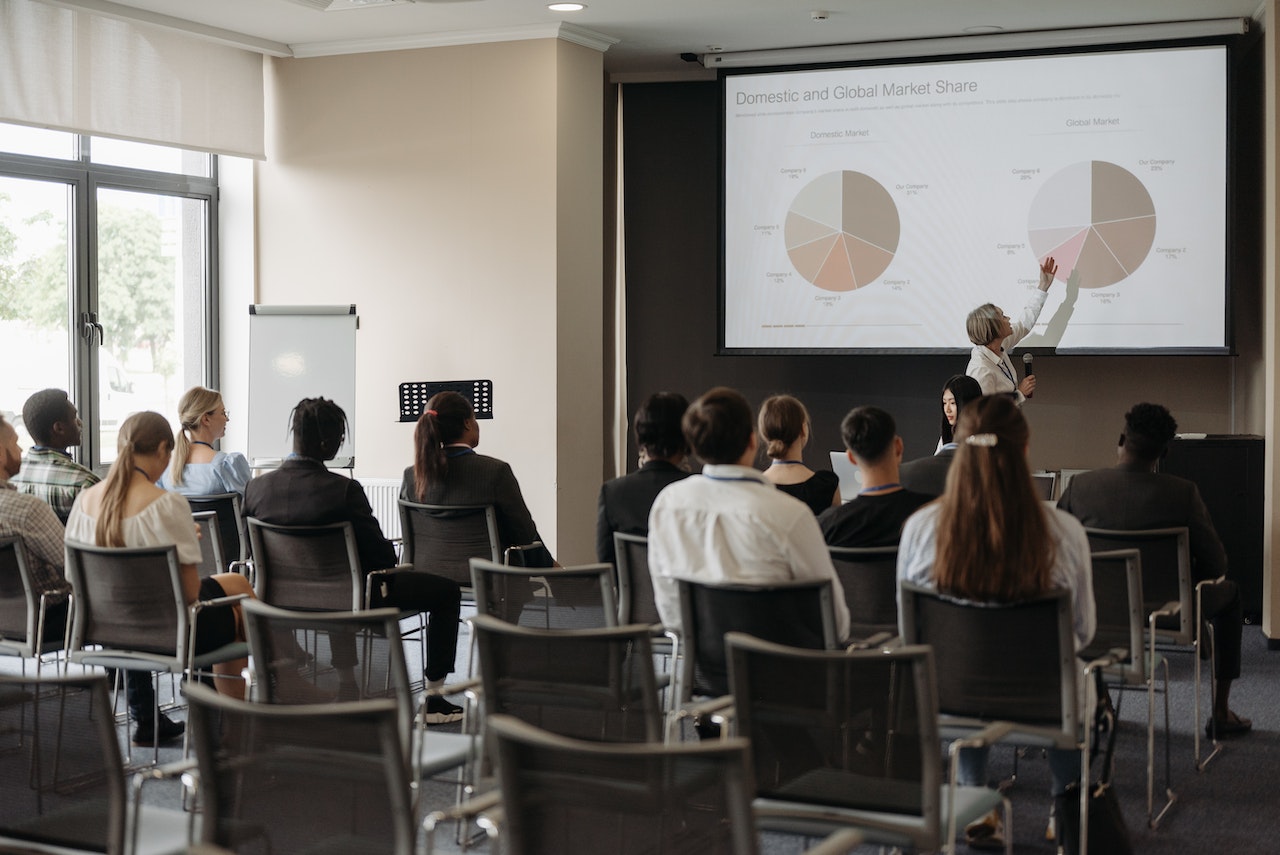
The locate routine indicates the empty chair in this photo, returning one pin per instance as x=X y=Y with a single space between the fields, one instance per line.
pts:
x=849 y=739
x=232 y=533
x=212 y=559
x=566 y=795
x=551 y=598
x=302 y=779
x=25 y=630
x=869 y=577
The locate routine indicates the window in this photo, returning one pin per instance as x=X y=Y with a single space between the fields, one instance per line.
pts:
x=107 y=277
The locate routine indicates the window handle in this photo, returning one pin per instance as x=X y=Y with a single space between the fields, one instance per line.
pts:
x=89 y=326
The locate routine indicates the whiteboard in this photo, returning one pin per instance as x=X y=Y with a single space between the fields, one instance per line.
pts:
x=298 y=352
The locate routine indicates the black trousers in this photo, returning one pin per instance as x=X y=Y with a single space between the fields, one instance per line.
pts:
x=439 y=597
x=1220 y=604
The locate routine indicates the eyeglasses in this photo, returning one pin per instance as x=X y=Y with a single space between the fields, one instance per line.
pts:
x=226 y=414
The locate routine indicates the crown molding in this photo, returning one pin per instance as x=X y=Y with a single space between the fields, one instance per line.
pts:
x=567 y=32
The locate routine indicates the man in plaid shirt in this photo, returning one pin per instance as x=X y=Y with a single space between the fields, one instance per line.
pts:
x=42 y=533
x=48 y=472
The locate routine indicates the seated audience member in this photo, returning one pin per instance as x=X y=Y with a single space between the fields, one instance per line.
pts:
x=928 y=475
x=784 y=428
x=447 y=470
x=198 y=469
x=875 y=517
x=41 y=531
x=728 y=524
x=991 y=540
x=1132 y=495
x=303 y=492
x=128 y=509
x=48 y=472
x=625 y=502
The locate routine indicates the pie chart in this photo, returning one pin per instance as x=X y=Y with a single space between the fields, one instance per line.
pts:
x=1094 y=218
x=842 y=230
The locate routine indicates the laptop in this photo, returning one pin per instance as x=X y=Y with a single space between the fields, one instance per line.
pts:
x=850 y=477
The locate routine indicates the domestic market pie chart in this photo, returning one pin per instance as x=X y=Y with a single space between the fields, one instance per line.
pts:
x=1094 y=218
x=842 y=230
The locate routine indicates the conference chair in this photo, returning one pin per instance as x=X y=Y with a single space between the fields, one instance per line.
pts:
x=850 y=738
x=301 y=779
x=1171 y=602
x=212 y=560
x=130 y=613
x=578 y=597
x=566 y=795
x=1121 y=625
x=62 y=781
x=441 y=539
x=797 y=613
x=869 y=577
x=1006 y=662
x=636 y=602
x=1046 y=484
x=233 y=536
x=23 y=608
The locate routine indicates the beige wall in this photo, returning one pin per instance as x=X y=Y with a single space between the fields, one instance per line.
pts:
x=454 y=195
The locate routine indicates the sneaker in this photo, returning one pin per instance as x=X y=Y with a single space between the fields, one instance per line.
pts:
x=440 y=711
x=145 y=734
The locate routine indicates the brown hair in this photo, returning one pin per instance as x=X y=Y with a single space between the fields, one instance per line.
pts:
x=782 y=420
x=718 y=426
x=196 y=403
x=141 y=433
x=443 y=420
x=993 y=538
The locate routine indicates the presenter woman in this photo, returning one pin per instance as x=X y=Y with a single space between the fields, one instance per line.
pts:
x=958 y=391
x=989 y=539
x=198 y=469
x=994 y=335
x=784 y=430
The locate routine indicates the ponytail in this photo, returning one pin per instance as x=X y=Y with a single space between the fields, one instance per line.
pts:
x=195 y=404
x=141 y=433
x=443 y=421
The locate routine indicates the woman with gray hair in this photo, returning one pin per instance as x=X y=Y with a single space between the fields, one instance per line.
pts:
x=994 y=335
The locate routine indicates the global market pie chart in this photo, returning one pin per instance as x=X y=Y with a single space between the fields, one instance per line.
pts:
x=842 y=230
x=1094 y=218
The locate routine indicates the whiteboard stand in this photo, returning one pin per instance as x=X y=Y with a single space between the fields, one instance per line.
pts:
x=414 y=396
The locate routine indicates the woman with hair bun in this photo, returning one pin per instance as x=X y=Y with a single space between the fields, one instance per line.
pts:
x=784 y=429
x=198 y=469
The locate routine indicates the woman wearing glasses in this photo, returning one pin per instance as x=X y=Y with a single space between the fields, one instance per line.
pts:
x=199 y=469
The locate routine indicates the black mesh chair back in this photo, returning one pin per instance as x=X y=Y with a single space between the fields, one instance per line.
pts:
x=232 y=534
x=367 y=641
x=1117 y=594
x=869 y=577
x=1166 y=574
x=441 y=539
x=127 y=599
x=1010 y=661
x=212 y=558
x=20 y=605
x=635 y=585
x=578 y=597
x=797 y=613
x=308 y=567
x=854 y=730
x=61 y=776
x=593 y=684
x=301 y=779
x=566 y=795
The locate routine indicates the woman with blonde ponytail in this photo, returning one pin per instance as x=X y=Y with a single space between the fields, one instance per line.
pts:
x=128 y=509
x=198 y=469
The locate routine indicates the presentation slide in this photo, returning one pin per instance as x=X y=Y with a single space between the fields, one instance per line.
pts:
x=873 y=208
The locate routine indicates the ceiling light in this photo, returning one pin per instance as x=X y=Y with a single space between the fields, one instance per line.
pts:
x=566 y=7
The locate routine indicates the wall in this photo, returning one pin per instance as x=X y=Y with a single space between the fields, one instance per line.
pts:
x=672 y=241
x=452 y=194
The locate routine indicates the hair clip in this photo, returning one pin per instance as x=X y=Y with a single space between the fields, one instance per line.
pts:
x=985 y=440
x=430 y=412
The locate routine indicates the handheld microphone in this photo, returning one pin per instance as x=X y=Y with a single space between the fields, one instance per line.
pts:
x=1027 y=370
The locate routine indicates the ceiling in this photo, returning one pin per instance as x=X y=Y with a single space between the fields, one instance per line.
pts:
x=650 y=34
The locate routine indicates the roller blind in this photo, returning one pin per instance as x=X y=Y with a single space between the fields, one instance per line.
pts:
x=75 y=71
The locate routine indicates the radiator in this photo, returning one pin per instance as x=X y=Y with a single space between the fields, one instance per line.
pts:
x=384 y=494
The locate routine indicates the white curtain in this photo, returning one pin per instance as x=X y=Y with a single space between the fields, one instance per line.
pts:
x=75 y=71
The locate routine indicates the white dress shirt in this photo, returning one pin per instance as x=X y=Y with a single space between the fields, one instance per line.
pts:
x=995 y=373
x=730 y=525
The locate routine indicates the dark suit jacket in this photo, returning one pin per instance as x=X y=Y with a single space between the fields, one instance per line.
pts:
x=928 y=475
x=303 y=492
x=1130 y=497
x=625 y=502
x=476 y=479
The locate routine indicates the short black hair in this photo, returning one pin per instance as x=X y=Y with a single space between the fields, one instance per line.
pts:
x=319 y=427
x=868 y=432
x=657 y=425
x=42 y=411
x=1148 y=430
x=719 y=426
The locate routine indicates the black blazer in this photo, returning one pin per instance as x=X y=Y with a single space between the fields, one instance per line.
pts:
x=477 y=479
x=303 y=492
x=928 y=475
x=625 y=502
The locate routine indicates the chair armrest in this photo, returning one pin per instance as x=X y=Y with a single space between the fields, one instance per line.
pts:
x=719 y=709
x=1169 y=609
x=186 y=770
x=990 y=734
x=838 y=843
x=482 y=804
x=200 y=605
x=880 y=639
x=241 y=566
